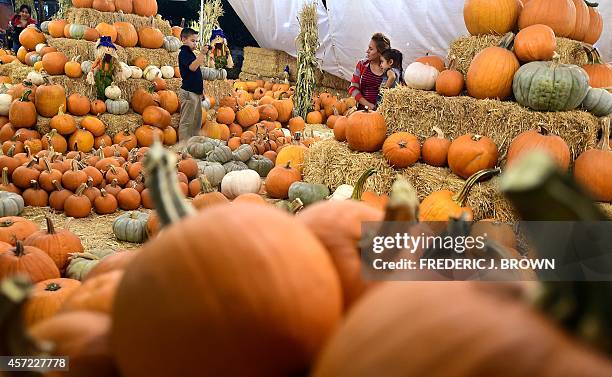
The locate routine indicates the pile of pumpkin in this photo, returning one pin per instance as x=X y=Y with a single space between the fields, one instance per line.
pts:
x=524 y=67
x=267 y=326
x=21 y=104
x=144 y=8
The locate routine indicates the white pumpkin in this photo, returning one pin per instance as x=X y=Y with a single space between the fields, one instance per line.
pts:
x=172 y=43
x=167 y=72
x=86 y=66
x=117 y=107
x=210 y=74
x=205 y=104
x=112 y=91
x=136 y=72
x=343 y=192
x=240 y=182
x=35 y=78
x=44 y=27
x=5 y=103
x=421 y=76
x=286 y=132
x=39 y=47
x=5 y=87
x=152 y=72
x=126 y=71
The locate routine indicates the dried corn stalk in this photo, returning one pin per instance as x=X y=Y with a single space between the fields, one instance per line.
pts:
x=64 y=5
x=209 y=18
x=307 y=43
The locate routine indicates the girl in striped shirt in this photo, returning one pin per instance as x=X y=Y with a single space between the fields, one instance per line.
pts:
x=368 y=75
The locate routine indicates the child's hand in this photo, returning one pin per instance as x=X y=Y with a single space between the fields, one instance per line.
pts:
x=204 y=50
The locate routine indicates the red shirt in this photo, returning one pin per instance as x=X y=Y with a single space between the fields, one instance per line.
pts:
x=365 y=83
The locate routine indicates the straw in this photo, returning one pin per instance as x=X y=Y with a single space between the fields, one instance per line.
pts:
x=307 y=43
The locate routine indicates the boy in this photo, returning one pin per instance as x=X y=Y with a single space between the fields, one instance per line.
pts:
x=192 y=89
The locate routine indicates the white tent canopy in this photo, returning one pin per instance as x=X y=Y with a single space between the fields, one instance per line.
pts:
x=415 y=27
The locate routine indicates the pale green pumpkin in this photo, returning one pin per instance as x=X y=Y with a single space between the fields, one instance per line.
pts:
x=549 y=86
x=220 y=154
x=243 y=153
x=199 y=150
x=11 y=204
x=235 y=166
x=308 y=193
x=262 y=165
x=117 y=107
x=213 y=171
x=131 y=227
x=598 y=102
x=76 y=31
x=82 y=263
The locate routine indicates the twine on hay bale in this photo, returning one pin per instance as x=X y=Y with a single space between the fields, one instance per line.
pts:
x=417 y=111
x=16 y=70
x=114 y=123
x=91 y=17
x=157 y=57
x=79 y=47
x=465 y=48
x=332 y=163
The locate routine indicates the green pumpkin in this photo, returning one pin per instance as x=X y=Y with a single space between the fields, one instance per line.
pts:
x=199 y=150
x=172 y=43
x=11 y=204
x=81 y=263
x=291 y=207
x=549 y=86
x=262 y=165
x=308 y=193
x=598 y=102
x=220 y=154
x=76 y=31
x=243 y=153
x=86 y=66
x=131 y=227
x=117 y=106
x=234 y=166
x=213 y=171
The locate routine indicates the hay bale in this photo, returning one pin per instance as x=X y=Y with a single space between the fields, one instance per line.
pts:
x=92 y=17
x=79 y=47
x=16 y=70
x=417 y=111
x=465 y=48
x=217 y=89
x=264 y=62
x=158 y=57
x=331 y=81
x=72 y=86
x=332 y=163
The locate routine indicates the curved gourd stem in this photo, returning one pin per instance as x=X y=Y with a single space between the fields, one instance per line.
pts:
x=360 y=185
x=403 y=204
x=160 y=168
x=539 y=191
x=604 y=143
x=507 y=41
x=14 y=338
x=461 y=197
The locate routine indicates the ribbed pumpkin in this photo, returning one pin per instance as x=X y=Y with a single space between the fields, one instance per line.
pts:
x=57 y=243
x=49 y=99
x=583 y=20
x=540 y=140
x=284 y=107
x=280 y=179
x=435 y=149
x=126 y=34
x=104 y=5
x=598 y=102
x=107 y=30
x=600 y=73
x=56 y=28
x=47 y=298
x=491 y=72
x=141 y=99
x=450 y=82
x=366 y=131
x=247 y=116
x=30 y=37
x=125 y=6
x=537 y=86
x=292 y=154
x=150 y=37
x=63 y=123
x=560 y=15
x=73 y=68
x=168 y=100
x=595 y=25
x=490 y=16
x=31 y=261
x=593 y=168
x=156 y=116
x=78 y=105
x=82 y=3
x=81 y=140
x=535 y=42
x=22 y=112
x=145 y=8
x=401 y=149
x=471 y=153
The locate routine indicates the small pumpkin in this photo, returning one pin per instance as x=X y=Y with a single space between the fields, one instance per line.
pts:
x=78 y=105
x=540 y=140
x=242 y=153
x=401 y=149
x=535 y=42
x=11 y=204
x=172 y=43
x=421 y=76
x=78 y=205
x=14 y=229
x=213 y=171
x=280 y=179
x=234 y=166
x=31 y=261
x=598 y=102
x=471 y=153
x=221 y=154
x=260 y=164
x=435 y=149
x=46 y=299
x=117 y=107
x=82 y=263
x=240 y=182
x=308 y=193
x=592 y=168
x=131 y=227
x=450 y=82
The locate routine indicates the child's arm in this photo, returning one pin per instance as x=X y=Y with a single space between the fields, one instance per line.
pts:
x=390 y=78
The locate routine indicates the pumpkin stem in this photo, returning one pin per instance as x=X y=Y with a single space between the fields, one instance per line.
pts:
x=165 y=192
x=50 y=227
x=11 y=151
x=591 y=4
x=296 y=205
x=14 y=338
x=5 y=180
x=360 y=185
x=542 y=130
x=34 y=184
x=403 y=204
x=25 y=95
x=581 y=307
x=52 y=287
x=80 y=190
x=476 y=137
x=461 y=197
x=19 y=249
x=57 y=185
x=604 y=143
x=507 y=41
x=438 y=131
x=205 y=186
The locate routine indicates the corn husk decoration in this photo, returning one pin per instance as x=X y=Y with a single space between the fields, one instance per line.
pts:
x=307 y=43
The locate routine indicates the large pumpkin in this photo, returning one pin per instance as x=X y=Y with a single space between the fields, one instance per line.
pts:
x=539 y=140
x=30 y=261
x=549 y=86
x=600 y=73
x=278 y=330
x=491 y=72
x=108 y=30
x=593 y=168
x=49 y=98
x=58 y=244
x=126 y=34
x=145 y=8
x=471 y=153
x=366 y=131
x=595 y=25
x=535 y=42
x=560 y=15
x=150 y=37
x=583 y=20
x=30 y=37
x=490 y=16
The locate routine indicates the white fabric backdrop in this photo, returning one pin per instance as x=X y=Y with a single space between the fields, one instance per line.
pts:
x=414 y=26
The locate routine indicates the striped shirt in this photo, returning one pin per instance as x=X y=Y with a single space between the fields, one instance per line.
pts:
x=365 y=83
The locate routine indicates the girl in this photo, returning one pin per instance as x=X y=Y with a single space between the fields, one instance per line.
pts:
x=368 y=76
x=391 y=62
x=18 y=23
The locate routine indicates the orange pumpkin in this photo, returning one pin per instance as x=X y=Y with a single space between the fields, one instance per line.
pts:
x=583 y=20
x=540 y=140
x=147 y=135
x=78 y=105
x=57 y=243
x=433 y=60
x=168 y=100
x=600 y=73
x=150 y=37
x=366 y=131
x=535 y=42
x=22 y=112
x=103 y=5
x=314 y=117
x=145 y=8
x=56 y=28
x=107 y=30
x=450 y=82
x=593 y=168
x=126 y=34
x=491 y=16
x=595 y=26
x=81 y=140
x=279 y=179
x=125 y=6
x=63 y=123
x=47 y=298
x=435 y=149
x=49 y=99
x=471 y=153
x=560 y=15
x=93 y=125
x=30 y=261
x=30 y=37
x=73 y=69
x=97 y=107
x=401 y=149
x=91 y=34
x=156 y=116
x=296 y=124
